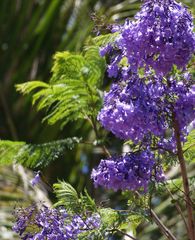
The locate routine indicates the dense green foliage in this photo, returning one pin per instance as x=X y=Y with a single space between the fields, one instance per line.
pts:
x=72 y=92
x=34 y=156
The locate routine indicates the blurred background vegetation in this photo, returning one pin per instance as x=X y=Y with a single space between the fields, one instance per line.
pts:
x=31 y=32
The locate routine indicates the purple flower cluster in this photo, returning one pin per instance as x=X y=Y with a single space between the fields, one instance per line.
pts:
x=52 y=224
x=132 y=109
x=142 y=108
x=139 y=107
x=181 y=98
x=133 y=172
x=161 y=36
x=185 y=107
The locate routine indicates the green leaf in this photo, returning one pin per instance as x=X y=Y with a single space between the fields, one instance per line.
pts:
x=131 y=222
x=103 y=40
x=67 y=66
x=110 y=217
x=97 y=65
x=176 y=184
x=116 y=219
x=72 y=92
x=34 y=155
x=87 y=202
x=137 y=202
x=8 y=150
x=30 y=86
x=189 y=147
x=74 y=202
x=67 y=196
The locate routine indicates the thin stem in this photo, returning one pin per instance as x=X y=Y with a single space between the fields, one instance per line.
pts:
x=162 y=227
x=160 y=224
x=178 y=209
x=179 y=189
x=105 y=150
x=123 y=233
x=164 y=149
x=180 y=156
x=192 y=145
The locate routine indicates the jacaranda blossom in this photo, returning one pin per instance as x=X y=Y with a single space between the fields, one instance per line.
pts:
x=139 y=107
x=160 y=36
x=52 y=224
x=133 y=109
x=134 y=171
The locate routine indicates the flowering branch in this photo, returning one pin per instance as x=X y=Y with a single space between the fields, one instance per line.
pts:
x=150 y=103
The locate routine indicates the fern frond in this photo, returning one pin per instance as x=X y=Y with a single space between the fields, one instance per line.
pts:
x=30 y=86
x=67 y=66
x=189 y=147
x=97 y=65
x=67 y=196
x=8 y=150
x=72 y=92
x=34 y=155
x=87 y=202
x=103 y=40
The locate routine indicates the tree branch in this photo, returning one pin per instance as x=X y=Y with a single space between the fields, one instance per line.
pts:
x=178 y=209
x=191 y=225
x=162 y=227
x=105 y=150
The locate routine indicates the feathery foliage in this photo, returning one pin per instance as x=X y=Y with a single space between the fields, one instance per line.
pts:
x=8 y=150
x=34 y=155
x=69 y=198
x=72 y=92
x=111 y=220
x=66 y=195
x=189 y=147
x=103 y=40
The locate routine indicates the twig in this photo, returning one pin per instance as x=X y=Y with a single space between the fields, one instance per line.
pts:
x=123 y=233
x=178 y=209
x=160 y=224
x=162 y=227
x=179 y=189
x=105 y=150
x=192 y=145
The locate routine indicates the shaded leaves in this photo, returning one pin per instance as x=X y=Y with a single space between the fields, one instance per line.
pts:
x=34 y=155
